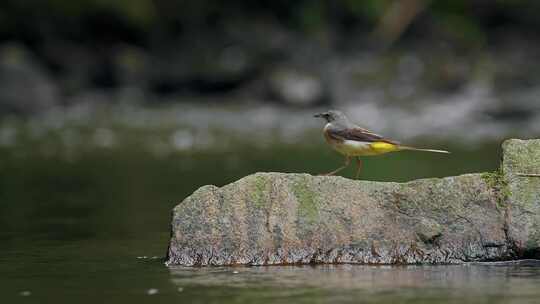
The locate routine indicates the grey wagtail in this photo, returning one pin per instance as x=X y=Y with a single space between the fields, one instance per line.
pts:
x=354 y=141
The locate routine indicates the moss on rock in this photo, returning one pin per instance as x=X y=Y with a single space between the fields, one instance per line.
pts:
x=308 y=207
x=496 y=181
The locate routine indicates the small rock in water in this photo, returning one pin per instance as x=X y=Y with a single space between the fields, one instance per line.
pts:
x=25 y=293
x=152 y=291
x=182 y=140
x=235 y=272
x=180 y=289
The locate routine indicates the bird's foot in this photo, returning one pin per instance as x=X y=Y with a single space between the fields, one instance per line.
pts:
x=326 y=174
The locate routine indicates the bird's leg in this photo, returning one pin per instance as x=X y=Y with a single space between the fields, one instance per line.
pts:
x=347 y=162
x=358 y=166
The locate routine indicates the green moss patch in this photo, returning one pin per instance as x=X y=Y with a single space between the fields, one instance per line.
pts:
x=496 y=181
x=308 y=205
x=260 y=183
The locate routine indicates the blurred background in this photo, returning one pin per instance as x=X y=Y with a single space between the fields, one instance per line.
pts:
x=111 y=112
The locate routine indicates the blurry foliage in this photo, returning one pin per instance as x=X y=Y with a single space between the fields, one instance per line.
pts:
x=139 y=12
x=136 y=19
x=370 y=10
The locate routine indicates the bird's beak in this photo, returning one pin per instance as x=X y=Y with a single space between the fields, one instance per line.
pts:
x=318 y=115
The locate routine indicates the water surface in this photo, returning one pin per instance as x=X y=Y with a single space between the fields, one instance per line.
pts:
x=92 y=227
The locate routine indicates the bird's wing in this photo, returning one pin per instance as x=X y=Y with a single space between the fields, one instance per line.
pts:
x=358 y=134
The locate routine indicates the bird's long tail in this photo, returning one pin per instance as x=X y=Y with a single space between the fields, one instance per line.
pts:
x=425 y=150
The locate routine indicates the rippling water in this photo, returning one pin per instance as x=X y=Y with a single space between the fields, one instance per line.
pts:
x=362 y=284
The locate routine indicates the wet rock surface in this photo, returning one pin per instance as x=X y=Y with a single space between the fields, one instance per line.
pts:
x=278 y=218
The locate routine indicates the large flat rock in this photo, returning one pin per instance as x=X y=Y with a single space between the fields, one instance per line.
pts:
x=275 y=218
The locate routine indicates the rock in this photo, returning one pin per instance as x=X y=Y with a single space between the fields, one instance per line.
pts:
x=131 y=65
x=218 y=68
x=25 y=87
x=278 y=218
x=522 y=157
x=275 y=218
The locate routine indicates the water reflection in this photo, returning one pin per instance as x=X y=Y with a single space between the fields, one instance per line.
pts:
x=347 y=283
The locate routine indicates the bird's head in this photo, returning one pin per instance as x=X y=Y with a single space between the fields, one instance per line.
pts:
x=332 y=115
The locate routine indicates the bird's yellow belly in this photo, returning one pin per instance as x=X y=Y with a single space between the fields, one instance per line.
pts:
x=357 y=148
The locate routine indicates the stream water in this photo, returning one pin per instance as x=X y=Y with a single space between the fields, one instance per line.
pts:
x=93 y=227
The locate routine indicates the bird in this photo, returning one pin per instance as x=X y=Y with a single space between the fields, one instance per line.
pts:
x=354 y=141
